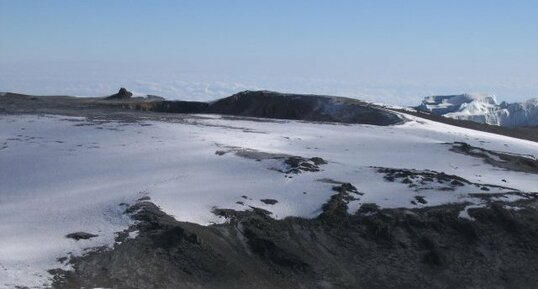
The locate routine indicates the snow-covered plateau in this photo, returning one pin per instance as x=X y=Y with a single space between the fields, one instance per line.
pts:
x=483 y=109
x=63 y=174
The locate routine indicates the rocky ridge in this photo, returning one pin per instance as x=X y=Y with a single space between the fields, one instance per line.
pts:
x=373 y=248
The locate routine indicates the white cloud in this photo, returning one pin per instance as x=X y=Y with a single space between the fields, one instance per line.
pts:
x=83 y=80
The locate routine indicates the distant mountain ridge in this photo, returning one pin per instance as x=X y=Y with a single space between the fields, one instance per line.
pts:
x=263 y=103
x=482 y=108
x=271 y=104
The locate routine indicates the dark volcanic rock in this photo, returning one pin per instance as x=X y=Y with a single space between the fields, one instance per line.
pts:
x=375 y=248
x=419 y=179
x=269 y=201
x=80 y=236
x=270 y=104
x=297 y=164
x=122 y=94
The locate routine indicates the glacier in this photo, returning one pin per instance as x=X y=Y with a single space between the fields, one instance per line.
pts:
x=482 y=108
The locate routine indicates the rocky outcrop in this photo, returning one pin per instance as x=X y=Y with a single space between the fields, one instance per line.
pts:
x=80 y=236
x=270 y=104
x=373 y=248
x=122 y=94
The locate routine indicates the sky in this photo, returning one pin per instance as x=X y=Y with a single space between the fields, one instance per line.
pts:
x=386 y=51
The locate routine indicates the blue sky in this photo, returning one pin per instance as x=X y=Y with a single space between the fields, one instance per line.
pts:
x=390 y=51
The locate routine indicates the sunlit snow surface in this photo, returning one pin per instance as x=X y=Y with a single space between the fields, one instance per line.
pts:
x=60 y=175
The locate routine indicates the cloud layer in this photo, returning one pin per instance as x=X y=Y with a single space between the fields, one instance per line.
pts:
x=96 y=80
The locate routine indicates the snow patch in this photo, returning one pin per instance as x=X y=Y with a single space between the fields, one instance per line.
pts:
x=464 y=214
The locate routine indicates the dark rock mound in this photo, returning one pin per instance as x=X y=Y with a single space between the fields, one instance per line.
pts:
x=270 y=104
x=80 y=236
x=266 y=104
x=335 y=210
x=122 y=94
x=297 y=164
x=269 y=201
